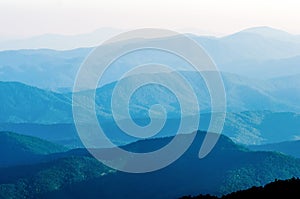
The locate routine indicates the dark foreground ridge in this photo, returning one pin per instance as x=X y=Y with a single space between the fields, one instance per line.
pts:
x=74 y=174
x=278 y=189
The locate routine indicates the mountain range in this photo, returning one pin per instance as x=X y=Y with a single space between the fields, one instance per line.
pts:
x=255 y=114
x=242 y=94
x=42 y=156
x=60 y=42
x=262 y=52
x=74 y=174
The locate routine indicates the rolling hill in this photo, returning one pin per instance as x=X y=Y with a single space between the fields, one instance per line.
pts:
x=261 y=127
x=21 y=104
x=291 y=148
x=16 y=149
x=34 y=67
x=74 y=174
x=61 y=133
x=34 y=180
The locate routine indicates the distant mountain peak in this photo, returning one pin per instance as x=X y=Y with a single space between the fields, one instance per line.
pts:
x=273 y=33
x=264 y=29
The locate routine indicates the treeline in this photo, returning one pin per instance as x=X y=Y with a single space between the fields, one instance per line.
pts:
x=288 y=189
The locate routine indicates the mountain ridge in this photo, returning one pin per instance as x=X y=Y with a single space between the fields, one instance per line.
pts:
x=210 y=174
x=17 y=149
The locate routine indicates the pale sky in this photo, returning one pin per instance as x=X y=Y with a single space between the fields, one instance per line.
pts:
x=24 y=18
